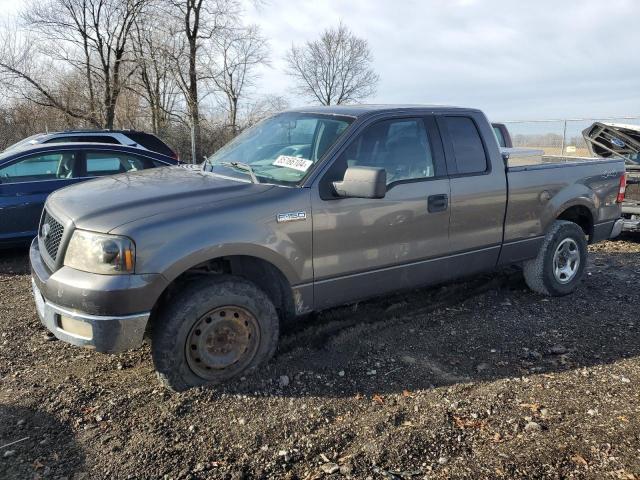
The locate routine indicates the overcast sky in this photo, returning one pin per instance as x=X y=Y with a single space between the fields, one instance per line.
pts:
x=513 y=59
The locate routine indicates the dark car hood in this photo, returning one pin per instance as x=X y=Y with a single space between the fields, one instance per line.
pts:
x=106 y=203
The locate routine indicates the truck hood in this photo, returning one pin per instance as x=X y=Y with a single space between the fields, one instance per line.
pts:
x=614 y=140
x=106 y=203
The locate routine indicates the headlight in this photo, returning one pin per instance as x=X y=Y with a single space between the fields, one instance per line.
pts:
x=100 y=253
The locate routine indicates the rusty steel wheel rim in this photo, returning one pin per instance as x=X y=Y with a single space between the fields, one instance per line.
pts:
x=222 y=340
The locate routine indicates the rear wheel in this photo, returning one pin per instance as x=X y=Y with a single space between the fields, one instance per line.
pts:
x=213 y=330
x=559 y=266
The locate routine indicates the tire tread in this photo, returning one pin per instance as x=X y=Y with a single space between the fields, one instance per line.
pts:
x=192 y=301
x=537 y=272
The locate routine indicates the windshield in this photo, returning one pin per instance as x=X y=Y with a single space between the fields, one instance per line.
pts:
x=281 y=149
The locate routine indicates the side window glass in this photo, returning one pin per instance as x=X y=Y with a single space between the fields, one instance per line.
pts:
x=399 y=146
x=53 y=166
x=467 y=145
x=499 y=137
x=62 y=140
x=84 y=139
x=112 y=163
x=98 y=139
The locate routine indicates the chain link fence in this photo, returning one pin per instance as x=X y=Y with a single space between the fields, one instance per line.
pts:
x=558 y=136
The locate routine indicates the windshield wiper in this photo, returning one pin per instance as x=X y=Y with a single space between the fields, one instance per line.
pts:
x=241 y=166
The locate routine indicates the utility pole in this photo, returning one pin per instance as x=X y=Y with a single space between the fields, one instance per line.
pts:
x=193 y=144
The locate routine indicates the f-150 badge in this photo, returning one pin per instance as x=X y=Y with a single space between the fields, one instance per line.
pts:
x=291 y=217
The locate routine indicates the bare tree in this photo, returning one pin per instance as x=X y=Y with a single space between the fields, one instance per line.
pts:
x=334 y=69
x=200 y=22
x=83 y=37
x=264 y=107
x=240 y=51
x=165 y=65
x=21 y=67
x=155 y=81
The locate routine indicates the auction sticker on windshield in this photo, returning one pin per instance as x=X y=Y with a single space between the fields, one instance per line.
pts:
x=296 y=163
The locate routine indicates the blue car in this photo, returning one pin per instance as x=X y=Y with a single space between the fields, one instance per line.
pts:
x=30 y=174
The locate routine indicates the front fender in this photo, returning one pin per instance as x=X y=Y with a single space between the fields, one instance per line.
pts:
x=286 y=264
x=172 y=243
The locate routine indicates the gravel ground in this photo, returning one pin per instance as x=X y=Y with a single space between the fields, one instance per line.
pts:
x=478 y=379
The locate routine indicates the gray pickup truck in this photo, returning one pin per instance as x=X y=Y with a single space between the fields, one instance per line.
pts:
x=310 y=209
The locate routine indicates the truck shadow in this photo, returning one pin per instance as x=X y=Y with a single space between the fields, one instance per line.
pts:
x=44 y=446
x=484 y=329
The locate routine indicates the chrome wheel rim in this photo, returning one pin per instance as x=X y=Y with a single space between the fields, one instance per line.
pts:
x=222 y=341
x=566 y=261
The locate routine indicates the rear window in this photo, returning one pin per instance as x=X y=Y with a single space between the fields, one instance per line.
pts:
x=150 y=142
x=467 y=145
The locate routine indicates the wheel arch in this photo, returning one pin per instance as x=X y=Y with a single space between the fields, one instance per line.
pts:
x=580 y=214
x=262 y=272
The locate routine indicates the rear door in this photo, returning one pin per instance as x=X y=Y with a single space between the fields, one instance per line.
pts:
x=478 y=191
x=364 y=247
x=25 y=184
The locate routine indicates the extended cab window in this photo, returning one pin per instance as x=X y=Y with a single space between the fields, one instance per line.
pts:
x=467 y=145
x=52 y=166
x=400 y=146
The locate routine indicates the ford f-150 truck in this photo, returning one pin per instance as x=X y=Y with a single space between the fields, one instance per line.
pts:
x=310 y=209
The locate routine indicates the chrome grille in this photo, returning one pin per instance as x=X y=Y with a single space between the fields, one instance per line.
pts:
x=51 y=234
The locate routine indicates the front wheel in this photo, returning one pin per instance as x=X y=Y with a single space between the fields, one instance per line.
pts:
x=559 y=266
x=214 y=329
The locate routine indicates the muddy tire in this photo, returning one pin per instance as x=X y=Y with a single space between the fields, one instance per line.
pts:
x=559 y=267
x=216 y=328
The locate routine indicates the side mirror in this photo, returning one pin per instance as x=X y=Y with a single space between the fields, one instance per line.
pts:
x=362 y=182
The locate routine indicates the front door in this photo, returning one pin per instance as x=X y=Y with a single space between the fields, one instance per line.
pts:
x=365 y=247
x=24 y=186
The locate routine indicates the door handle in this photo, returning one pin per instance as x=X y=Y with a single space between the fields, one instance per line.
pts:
x=438 y=203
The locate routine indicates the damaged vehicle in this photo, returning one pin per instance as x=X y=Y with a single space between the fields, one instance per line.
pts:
x=615 y=140
x=310 y=209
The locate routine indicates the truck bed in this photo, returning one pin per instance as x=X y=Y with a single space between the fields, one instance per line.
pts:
x=541 y=189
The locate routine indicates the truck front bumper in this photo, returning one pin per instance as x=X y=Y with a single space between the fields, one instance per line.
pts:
x=108 y=313
x=102 y=333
